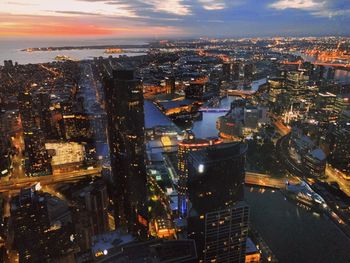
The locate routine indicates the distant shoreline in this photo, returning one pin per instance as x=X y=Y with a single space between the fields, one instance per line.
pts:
x=35 y=49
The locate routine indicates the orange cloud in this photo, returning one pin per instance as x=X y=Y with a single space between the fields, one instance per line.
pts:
x=18 y=25
x=54 y=30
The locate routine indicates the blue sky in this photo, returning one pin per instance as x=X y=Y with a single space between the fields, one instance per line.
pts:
x=166 y=18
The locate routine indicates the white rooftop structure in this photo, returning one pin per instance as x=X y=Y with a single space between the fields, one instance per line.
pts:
x=318 y=154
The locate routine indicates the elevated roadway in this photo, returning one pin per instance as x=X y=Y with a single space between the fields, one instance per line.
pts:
x=264 y=180
x=18 y=183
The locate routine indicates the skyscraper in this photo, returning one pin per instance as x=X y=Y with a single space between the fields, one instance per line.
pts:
x=226 y=233
x=44 y=104
x=170 y=85
x=230 y=71
x=248 y=71
x=235 y=70
x=90 y=216
x=185 y=147
x=195 y=91
x=37 y=159
x=5 y=155
x=226 y=71
x=124 y=104
x=26 y=110
x=42 y=227
x=217 y=217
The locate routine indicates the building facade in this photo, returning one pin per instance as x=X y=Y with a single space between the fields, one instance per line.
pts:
x=124 y=104
x=217 y=217
x=185 y=147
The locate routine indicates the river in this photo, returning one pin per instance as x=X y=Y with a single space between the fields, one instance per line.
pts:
x=207 y=126
x=293 y=233
x=341 y=75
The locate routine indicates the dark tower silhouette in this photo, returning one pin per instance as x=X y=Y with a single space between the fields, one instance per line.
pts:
x=248 y=71
x=170 y=85
x=226 y=71
x=217 y=217
x=124 y=104
x=235 y=70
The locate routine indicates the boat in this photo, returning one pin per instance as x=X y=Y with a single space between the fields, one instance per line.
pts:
x=305 y=195
x=63 y=58
x=113 y=51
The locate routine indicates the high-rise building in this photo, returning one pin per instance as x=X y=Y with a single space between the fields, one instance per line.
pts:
x=342 y=102
x=124 y=104
x=254 y=115
x=226 y=233
x=26 y=110
x=217 y=217
x=248 y=71
x=330 y=73
x=170 y=85
x=90 y=214
x=340 y=150
x=235 y=71
x=185 y=147
x=226 y=71
x=124 y=249
x=8 y=64
x=317 y=73
x=195 y=91
x=45 y=114
x=5 y=155
x=42 y=228
x=230 y=127
x=37 y=159
x=296 y=85
x=76 y=126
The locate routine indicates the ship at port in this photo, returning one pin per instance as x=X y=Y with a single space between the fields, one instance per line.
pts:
x=63 y=58
x=113 y=51
x=305 y=195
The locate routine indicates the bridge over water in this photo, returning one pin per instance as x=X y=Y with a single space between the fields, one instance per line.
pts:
x=264 y=180
x=213 y=110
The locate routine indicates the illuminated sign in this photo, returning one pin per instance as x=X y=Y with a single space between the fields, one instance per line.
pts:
x=142 y=220
x=201 y=168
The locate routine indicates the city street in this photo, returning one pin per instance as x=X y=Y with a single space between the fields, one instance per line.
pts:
x=17 y=184
x=334 y=175
x=18 y=159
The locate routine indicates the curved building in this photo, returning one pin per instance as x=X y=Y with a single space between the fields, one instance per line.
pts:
x=218 y=217
x=185 y=147
x=230 y=128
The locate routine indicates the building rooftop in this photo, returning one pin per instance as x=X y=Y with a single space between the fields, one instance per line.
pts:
x=346 y=113
x=175 y=103
x=198 y=142
x=172 y=251
x=110 y=240
x=304 y=189
x=327 y=94
x=250 y=247
x=154 y=117
x=318 y=154
x=222 y=151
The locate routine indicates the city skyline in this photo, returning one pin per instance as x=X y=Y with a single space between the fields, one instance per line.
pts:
x=175 y=18
x=187 y=131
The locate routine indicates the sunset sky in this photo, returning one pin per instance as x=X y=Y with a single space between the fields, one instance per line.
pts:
x=160 y=18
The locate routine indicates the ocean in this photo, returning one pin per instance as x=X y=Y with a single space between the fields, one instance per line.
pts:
x=10 y=49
